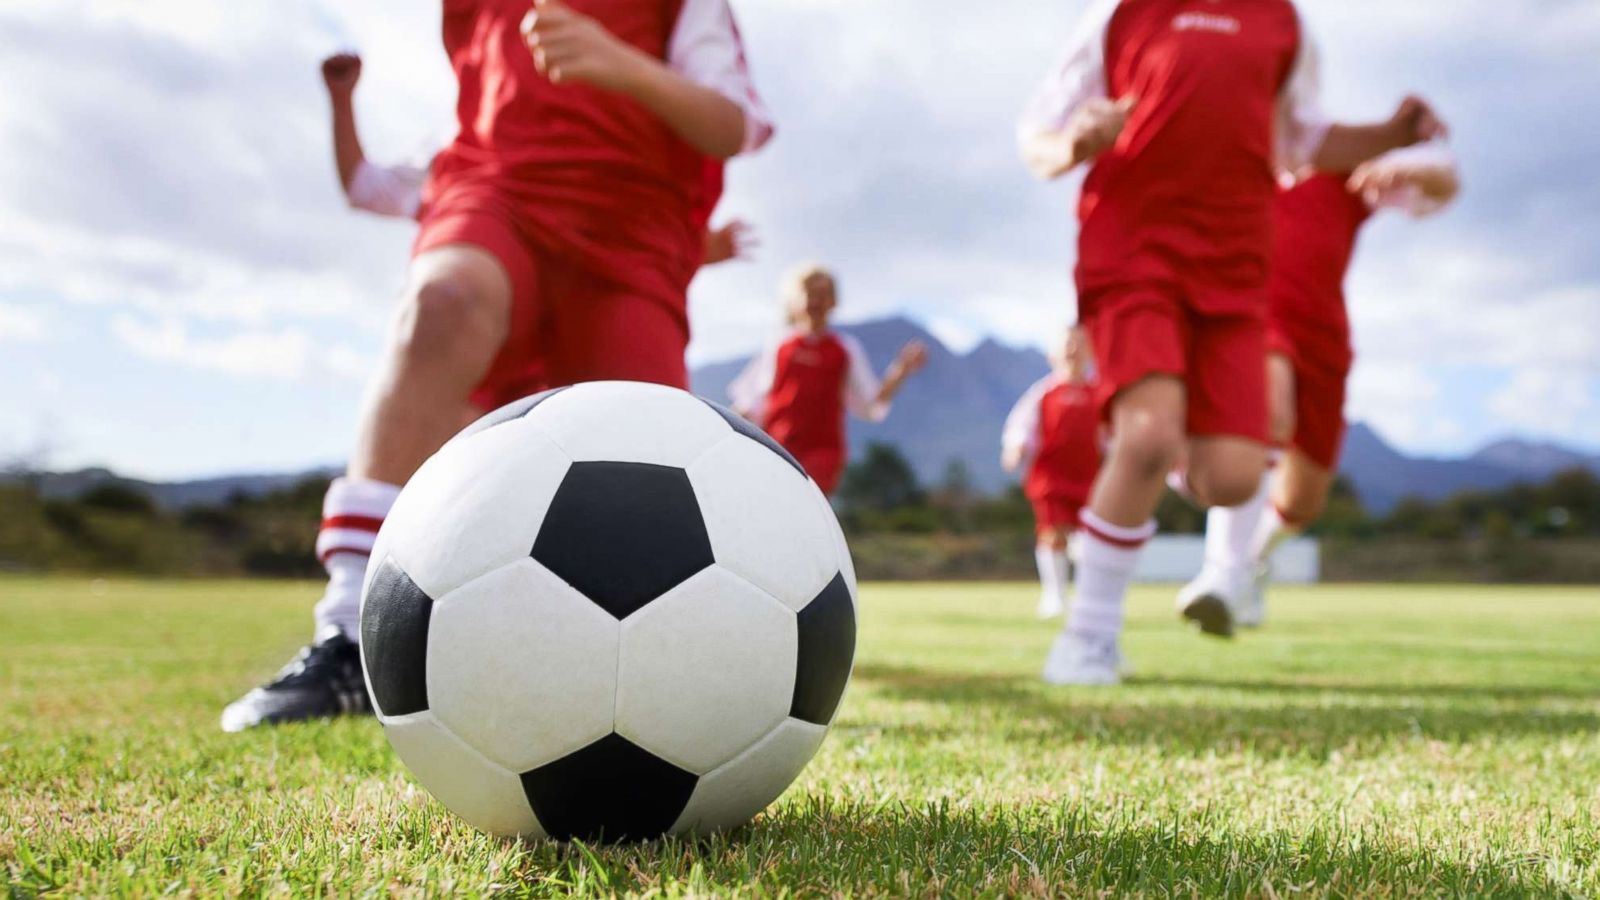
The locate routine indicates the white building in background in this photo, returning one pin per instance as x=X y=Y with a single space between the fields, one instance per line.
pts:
x=1175 y=558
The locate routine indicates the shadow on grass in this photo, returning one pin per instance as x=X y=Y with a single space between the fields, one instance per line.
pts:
x=1023 y=709
x=817 y=847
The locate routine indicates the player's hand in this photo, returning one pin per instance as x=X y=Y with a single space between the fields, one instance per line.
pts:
x=1096 y=125
x=1415 y=121
x=735 y=240
x=912 y=358
x=340 y=72
x=570 y=47
x=1436 y=184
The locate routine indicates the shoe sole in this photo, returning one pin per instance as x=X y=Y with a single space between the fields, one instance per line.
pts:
x=1211 y=613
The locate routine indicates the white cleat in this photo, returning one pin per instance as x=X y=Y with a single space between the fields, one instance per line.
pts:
x=1078 y=660
x=1250 y=607
x=1210 y=600
x=1051 y=606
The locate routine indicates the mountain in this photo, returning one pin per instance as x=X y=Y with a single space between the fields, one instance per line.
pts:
x=952 y=410
x=1537 y=461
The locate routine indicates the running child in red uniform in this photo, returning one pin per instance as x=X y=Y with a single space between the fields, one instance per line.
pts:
x=1054 y=431
x=1310 y=354
x=800 y=388
x=1186 y=109
x=559 y=232
x=396 y=189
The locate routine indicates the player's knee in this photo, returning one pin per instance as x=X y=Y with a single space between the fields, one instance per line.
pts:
x=445 y=319
x=1053 y=539
x=1150 y=448
x=1227 y=482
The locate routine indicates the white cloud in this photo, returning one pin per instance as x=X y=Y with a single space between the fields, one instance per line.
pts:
x=24 y=323
x=283 y=355
x=1401 y=402
x=1546 y=401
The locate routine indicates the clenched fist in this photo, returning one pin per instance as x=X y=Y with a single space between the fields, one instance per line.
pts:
x=569 y=46
x=340 y=72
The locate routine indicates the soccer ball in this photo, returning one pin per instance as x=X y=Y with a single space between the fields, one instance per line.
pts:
x=608 y=612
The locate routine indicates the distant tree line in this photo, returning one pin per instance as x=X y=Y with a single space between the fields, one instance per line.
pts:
x=900 y=528
x=880 y=492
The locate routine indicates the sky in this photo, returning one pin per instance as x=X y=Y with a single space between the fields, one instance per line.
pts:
x=184 y=293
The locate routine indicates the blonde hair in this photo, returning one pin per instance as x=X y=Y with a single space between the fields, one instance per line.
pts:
x=793 y=287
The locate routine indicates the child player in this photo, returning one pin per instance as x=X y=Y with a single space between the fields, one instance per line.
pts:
x=1308 y=363
x=1054 y=431
x=800 y=388
x=396 y=190
x=1184 y=109
x=558 y=236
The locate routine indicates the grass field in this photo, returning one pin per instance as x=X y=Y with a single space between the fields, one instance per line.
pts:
x=1373 y=741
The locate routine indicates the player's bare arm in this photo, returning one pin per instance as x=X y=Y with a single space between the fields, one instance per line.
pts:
x=569 y=47
x=912 y=358
x=1091 y=130
x=340 y=73
x=1347 y=147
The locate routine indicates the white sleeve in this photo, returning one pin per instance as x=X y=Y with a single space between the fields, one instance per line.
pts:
x=1433 y=156
x=1078 y=76
x=1022 y=425
x=706 y=49
x=387 y=190
x=749 y=390
x=1302 y=125
x=861 y=385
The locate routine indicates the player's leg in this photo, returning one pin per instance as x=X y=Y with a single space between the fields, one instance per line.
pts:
x=1233 y=568
x=1228 y=421
x=1139 y=337
x=1050 y=554
x=453 y=321
x=1306 y=475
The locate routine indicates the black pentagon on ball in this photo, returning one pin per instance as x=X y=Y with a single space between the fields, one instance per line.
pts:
x=610 y=791
x=516 y=409
x=623 y=534
x=394 y=641
x=748 y=429
x=827 y=647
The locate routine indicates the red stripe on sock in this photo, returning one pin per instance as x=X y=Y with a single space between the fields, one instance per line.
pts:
x=331 y=552
x=1124 y=543
x=354 y=523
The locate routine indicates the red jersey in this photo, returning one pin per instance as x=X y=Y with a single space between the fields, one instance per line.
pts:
x=800 y=389
x=1057 y=425
x=594 y=175
x=1318 y=221
x=1186 y=193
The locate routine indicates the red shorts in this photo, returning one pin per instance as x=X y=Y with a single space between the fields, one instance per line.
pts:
x=825 y=465
x=1320 y=374
x=1055 y=513
x=568 y=324
x=1146 y=330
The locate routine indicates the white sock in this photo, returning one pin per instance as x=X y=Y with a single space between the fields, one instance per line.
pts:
x=1231 y=530
x=1052 y=570
x=352 y=512
x=1270 y=532
x=1107 y=556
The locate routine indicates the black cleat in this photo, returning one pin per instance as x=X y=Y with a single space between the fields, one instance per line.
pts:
x=322 y=681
